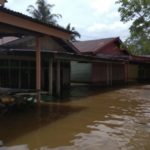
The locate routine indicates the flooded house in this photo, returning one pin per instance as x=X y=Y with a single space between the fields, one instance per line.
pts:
x=132 y=69
x=101 y=73
x=38 y=56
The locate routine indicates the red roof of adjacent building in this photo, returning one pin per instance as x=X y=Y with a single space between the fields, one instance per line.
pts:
x=92 y=45
x=109 y=46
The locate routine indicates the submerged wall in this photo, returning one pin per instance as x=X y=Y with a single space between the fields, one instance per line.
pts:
x=118 y=73
x=81 y=72
x=21 y=74
x=133 y=71
x=100 y=74
x=17 y=74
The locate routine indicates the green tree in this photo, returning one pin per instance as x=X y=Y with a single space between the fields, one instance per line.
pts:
x=138 y=12
x=74 y=34
x=43 y=12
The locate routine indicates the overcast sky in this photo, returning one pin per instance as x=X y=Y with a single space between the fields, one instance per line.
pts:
x=93 y=19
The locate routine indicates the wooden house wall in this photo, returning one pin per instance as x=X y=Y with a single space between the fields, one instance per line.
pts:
x=99 y=74
x=133 y=72
x=108 y=74
x=118 y=73
x=144 y=73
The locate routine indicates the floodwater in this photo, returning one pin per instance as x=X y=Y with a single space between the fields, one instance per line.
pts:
x=110 y=120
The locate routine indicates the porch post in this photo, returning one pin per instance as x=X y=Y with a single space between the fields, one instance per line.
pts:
x=107 y=72
x=50 y=72
x=19 y=75
x=58 y=78
x=38 y=69
x=126 y=72
x=111 y=75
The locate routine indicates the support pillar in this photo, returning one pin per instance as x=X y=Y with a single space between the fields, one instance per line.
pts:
x=107 y=73
x=38 y=69
x=111 y=75
x=50 y=72
x=19 y=75
x=9 y=74
x=58 y=86
x=126 y=72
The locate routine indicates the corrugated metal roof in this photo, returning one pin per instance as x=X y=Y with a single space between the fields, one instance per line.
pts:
x=92 y=45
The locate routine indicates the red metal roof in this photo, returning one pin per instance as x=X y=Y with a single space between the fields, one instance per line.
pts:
x=107 y=46
x=92 y=45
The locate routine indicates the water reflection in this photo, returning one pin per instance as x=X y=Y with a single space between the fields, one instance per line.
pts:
x=18 y=123
x=114 y=120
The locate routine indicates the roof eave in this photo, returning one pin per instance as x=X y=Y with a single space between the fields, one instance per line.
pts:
x=25 y=22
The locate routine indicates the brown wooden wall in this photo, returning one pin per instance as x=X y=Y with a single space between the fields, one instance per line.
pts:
x=99 y=74
x=118 y=74
x=144 y=73
x=108 y=73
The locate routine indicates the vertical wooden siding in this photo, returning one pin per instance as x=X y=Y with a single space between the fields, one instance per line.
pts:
x=108 y=74
x=99 y=73
x=133 y=70
x=118 y=74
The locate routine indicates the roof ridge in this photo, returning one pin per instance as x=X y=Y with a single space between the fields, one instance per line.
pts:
x=97 y=39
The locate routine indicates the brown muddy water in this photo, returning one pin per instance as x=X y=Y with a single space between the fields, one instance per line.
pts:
x=111 y=120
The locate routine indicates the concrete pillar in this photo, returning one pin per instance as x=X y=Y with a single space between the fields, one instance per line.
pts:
x=38 y=69
x=50 y=72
